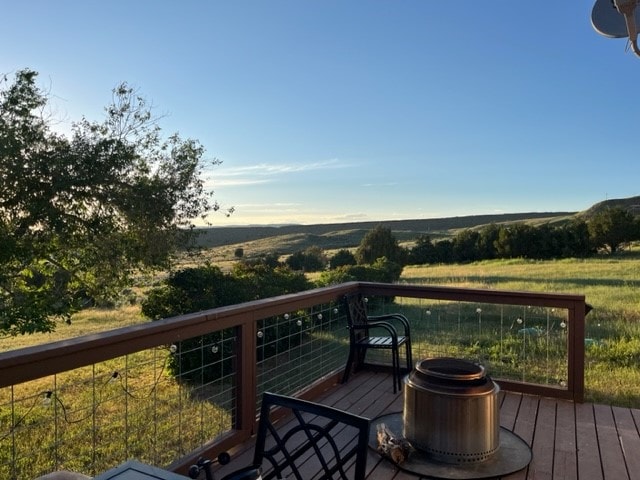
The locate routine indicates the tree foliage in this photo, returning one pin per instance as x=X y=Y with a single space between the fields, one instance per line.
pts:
x=517 y=240
x=423 y=251
x=377 y=243
x=312 y=259
x=341 y=258
x=382 y=270
x=79 y=214
x=611 y=228
x=193 y=290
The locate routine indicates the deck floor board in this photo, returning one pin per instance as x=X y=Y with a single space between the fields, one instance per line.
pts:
x=569 y=441
x=565 y=457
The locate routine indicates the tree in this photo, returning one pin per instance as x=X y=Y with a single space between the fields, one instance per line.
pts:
x=378 y=243
x=465 y=246
x=516 y=241
x=193 y=290
x=382 y=270
x=79 y=214
x=575 y=239
x=341 y=258
x=312 y=259
x=444 y=251
x=423 y=251
x=612 y=227
x=264 y=279
x=486 y=242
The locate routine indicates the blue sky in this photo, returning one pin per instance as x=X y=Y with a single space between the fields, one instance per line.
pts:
x=356 y=110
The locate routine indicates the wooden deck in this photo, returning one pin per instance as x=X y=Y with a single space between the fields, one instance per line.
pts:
x=569 y=441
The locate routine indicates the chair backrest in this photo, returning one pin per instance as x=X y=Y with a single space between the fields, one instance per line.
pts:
x=356 y=309
x=316 y=441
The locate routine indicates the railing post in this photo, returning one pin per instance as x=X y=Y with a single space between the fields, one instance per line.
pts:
x=246 y=381
x=575 y=379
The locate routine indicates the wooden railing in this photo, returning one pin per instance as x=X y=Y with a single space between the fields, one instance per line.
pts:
x=575 y=306
x=32 y=363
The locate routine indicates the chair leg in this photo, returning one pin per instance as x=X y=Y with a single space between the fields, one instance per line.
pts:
x=361 y=355
x=409 y=355
x=395 y=367
x=399 y=374
x=347 y=368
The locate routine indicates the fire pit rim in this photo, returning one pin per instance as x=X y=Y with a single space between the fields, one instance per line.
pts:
x=458 y=369
x=475 y=383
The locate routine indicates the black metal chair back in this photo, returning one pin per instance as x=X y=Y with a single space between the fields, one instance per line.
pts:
x=356 y=316
x=316 y=441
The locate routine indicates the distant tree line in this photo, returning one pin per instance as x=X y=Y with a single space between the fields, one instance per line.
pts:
x=605 y=232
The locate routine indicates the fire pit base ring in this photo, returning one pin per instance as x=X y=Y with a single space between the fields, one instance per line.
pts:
x=514 y=454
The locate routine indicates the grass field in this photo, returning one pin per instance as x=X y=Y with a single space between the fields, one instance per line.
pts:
x=610 y=285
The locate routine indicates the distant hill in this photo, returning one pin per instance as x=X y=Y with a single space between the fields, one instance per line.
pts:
x=286 y=239
x=224 y=236
x=631 y=204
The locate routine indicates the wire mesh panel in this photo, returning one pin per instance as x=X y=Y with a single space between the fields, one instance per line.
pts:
x=93 y=418
x=297 y=348
x=513 y=342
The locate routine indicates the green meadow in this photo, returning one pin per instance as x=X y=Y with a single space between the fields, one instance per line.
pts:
x=610 y=285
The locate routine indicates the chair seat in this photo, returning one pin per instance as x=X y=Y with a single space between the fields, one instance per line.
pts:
x=380 y=342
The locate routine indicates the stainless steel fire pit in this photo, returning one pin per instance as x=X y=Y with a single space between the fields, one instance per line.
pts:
x=451 y=411
x=451 y=418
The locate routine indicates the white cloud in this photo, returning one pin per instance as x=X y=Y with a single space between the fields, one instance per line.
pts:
x=237 y=182
x=263 y=173
x=267 y=169
x=387 y=184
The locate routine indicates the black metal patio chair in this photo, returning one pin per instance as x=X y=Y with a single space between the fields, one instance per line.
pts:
x=362 y=328
x=314 y=441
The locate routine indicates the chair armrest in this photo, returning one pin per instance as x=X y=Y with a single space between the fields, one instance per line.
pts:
x=389 y=327
x=394 y=316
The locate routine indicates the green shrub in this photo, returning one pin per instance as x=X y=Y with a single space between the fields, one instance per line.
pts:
x=382 y=270
x=342 y=258
x=312 y=259
x=202 y=288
